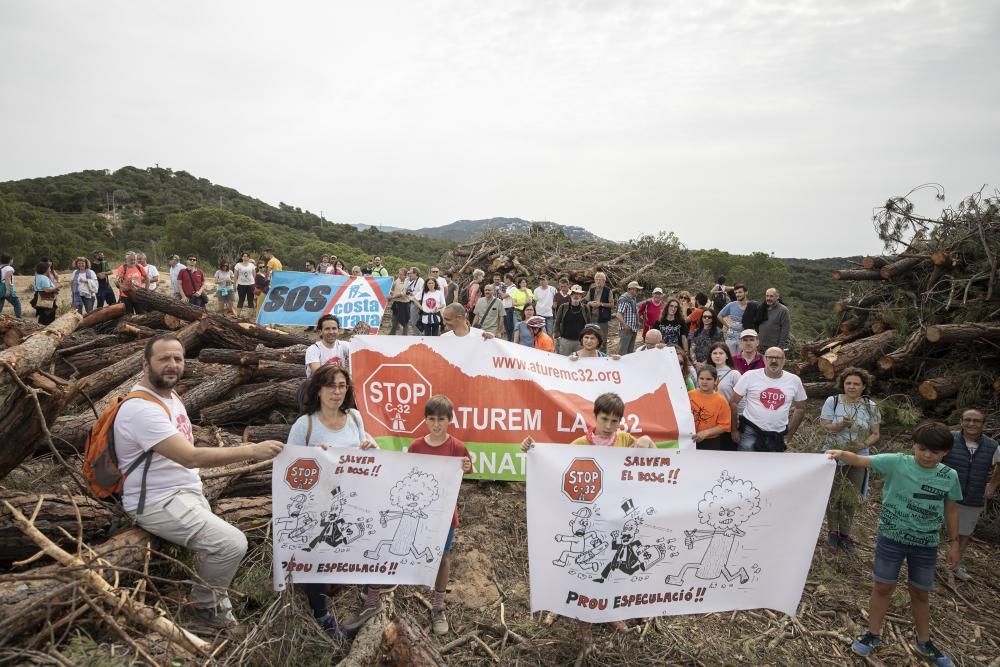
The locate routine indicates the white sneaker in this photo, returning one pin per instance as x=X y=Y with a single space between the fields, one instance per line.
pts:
x=961 y=574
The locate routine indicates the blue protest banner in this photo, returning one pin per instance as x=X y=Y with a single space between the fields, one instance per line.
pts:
x=302 y=298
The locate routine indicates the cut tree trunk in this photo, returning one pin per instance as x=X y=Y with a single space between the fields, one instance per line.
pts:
x=253 y=404
x=820 y=389
x=267 y=432
x=939 y=388
x=861 y=353
x=876 y=262
x=278 y=370
x=962 y=333
x=36 y=350
x=57 y=512
x=900 y=267
x=244 y=512
x=865 y=303
x=95 y=359
x=125 y=328
x=69 y=432
x=857 y=274
x=105 y=314
x=13 y=331
x=408 y=645
x=902 y=358
x=211 y=391
x=296 y=354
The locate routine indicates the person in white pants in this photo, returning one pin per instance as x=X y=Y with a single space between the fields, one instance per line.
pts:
x=164 y=493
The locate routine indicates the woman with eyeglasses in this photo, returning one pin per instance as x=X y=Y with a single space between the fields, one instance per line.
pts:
x=672 y=325
x=707 y=332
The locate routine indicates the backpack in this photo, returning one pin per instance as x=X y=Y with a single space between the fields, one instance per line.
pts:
x=100 y=461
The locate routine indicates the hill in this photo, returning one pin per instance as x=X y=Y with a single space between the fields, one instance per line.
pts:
x=163 y=211
x=463 y=230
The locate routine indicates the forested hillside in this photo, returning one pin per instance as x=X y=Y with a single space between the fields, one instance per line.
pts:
x=163 y=211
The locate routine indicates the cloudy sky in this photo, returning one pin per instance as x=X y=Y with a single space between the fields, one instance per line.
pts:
x=745 y=126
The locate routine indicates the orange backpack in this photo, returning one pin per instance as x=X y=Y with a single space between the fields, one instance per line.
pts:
x=100 y=461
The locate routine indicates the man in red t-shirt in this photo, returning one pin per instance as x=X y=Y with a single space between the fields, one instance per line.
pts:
x=650 y=310
x=192 y=283
x=438 y=413
x=129 y=276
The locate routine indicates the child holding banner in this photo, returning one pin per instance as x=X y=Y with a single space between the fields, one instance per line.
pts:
x=438 y=413
x=919 y=494
x=609 y=409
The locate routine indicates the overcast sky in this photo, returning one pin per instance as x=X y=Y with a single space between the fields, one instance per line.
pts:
x=745 y=126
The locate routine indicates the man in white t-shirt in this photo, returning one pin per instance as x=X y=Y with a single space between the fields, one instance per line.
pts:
x=771 y=395
x=328 y=350
x=164 y=494
x=457 y=325
x=175 y=270
x=152 y=273
x=545 y=295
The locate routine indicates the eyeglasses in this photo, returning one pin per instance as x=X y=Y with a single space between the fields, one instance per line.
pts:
x=775 y=358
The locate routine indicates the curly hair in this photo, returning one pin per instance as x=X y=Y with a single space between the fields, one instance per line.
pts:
x=866 y=379
x=326 y=376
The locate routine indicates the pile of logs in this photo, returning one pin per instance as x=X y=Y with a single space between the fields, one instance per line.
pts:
x=54 y=381
x=925 y=320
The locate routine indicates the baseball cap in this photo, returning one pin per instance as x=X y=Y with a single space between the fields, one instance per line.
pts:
x=576 y=288
x=747 y=333
x=658 y=290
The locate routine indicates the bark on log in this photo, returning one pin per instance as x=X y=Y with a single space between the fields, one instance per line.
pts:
x=125 y=328
x=878 y=326
x=56 y=512
x=211 y=390
x=942 y=259
x=861 y=353
x=962 y=333
x=813 y=349
x=407 y=645
x=14 y=331
x=876 y=262
x=253 y=404
x=88 y=339
x=105 y=314
x=899 y=267
x=197 y=371
x=864 y=303
x=850 y=324
x=245 y=389
x=253 y=484
x=267 y=432
x=939 y=388
x=95 y=359
x=168 y=305
x=278 y=370
x=901 y=358
x=37 y=349
x=220 y=336
x=820 y=389
x=296 y=354
x=69 y=432
x=857 y=274
x=244 y=513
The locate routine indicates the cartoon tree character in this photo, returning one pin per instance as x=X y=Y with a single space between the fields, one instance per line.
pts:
x=412 y=495
x=294 y=527
x=584 y=544
x=728 y=505
x=334 y=530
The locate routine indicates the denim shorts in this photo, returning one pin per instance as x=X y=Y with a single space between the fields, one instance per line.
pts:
x=447 y=542
x=921 y=563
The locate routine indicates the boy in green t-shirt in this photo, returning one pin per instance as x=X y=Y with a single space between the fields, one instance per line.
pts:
x=919 y=493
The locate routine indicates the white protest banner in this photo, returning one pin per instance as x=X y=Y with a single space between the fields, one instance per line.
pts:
x=302 y=298
x=504 y=392
x=617 y=533
x=361 y=516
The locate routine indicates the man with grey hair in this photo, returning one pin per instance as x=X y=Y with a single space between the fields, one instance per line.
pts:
x=571 y=317
x=415 y=289
x=130 y=276
x=776 y=404
x=601 y=300
x=653 y=340
x=175 y=269
x=489 y=311
x=457 y=325
x=773 y=332
x=627 y=314
x=152 y=273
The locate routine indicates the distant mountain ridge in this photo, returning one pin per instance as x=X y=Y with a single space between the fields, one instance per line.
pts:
x=463 y=230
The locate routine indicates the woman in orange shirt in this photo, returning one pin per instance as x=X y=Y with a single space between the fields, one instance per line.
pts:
x=712 y=415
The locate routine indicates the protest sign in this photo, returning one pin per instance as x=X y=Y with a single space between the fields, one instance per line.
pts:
x=618 y=533
x=504 y=392
x=347 y=515
x=302 y=298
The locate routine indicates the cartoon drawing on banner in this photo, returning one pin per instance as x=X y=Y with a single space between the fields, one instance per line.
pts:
x=292 y=530
x=631 y=555
x=724 y=508
x=584 y=544
x=412 y=495
x=335 y=531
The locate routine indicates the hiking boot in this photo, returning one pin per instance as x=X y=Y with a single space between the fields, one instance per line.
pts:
x=833 y=540
x=210 y=617
x=383 y=589
x=439 y=622
x=961 y=573
x=933 y=654
x=359 y=619
x=866 y=643
x=847 y=544
x=332 y=628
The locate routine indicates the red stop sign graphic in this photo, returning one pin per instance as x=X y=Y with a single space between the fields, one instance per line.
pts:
x=394 y=396
x=772 y=398
x=583 y=481
x=302 y=474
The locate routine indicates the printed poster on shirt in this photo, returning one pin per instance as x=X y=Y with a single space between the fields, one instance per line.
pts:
x=622 y=533
x=503 y=392
x=353 y=516
x=302 y=298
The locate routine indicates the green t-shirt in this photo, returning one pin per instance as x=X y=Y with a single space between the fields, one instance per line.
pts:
x=913 y=498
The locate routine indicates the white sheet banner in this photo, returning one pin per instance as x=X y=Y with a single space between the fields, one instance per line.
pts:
x=626 y=533
x=367 y=517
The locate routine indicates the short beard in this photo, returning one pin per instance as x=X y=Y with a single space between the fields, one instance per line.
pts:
x=160 y=382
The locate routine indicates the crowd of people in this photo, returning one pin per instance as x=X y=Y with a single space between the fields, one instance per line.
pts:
x=731 y=356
